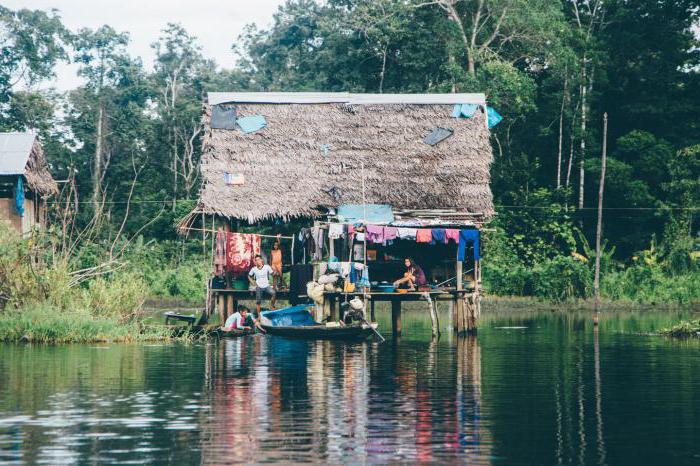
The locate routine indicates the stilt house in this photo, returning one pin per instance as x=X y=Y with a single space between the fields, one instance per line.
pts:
x=300 y=156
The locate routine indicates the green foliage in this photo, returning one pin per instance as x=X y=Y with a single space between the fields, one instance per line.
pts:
x=683 y=329
x=47 y=324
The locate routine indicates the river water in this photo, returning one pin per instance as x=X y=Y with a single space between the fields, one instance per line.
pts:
x=535 y=387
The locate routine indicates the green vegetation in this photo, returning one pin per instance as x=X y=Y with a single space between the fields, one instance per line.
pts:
x=683 y=329
x=46 y=296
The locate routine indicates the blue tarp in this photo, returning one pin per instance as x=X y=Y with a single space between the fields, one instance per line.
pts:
x=464 y=110
x=19 y=196
x=377 y=214
x=294 y=316
x=251 y=124
x=494 y=117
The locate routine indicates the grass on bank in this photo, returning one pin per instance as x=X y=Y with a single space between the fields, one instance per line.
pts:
x=47 y=324
x=683 y=329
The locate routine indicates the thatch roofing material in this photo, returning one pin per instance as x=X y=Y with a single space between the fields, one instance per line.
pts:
x=21 y=154
x=289 y=174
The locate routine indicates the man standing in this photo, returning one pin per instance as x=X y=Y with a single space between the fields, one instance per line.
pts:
x=259 y=276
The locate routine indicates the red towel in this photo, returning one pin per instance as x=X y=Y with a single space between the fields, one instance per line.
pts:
x=241 y=250
x=424 y=235
x=452 y=234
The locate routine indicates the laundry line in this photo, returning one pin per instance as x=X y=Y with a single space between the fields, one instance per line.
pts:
x=207 y=230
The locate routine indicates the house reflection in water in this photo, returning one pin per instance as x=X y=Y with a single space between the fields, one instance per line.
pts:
x=274 y=399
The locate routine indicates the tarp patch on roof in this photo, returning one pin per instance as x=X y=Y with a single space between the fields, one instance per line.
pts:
x=250 y=124
x=223 y=117
x=464 y=110
x=493 y=116
x=370 y=213
x=437 y=135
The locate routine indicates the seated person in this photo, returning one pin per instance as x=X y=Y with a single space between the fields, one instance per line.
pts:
x=237 y=320
x=413 y=277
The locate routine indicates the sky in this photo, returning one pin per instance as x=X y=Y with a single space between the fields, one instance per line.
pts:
x=216 y=24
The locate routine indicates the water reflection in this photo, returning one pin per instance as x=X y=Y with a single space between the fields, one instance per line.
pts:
x=532 y=388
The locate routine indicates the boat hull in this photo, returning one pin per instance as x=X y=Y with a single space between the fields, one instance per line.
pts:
x=321 y=332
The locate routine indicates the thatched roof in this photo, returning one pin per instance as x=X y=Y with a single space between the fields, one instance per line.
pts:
x=21 y=154
x=310 y=156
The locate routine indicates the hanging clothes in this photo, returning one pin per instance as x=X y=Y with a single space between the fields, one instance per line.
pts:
x=241 y=248
x=318 y=235
x=307 y=242
x=375 y=234
x=220 y=254
x=19 y=196
x=390 y=234
x=452 y=234
x=468 y=237
x=407 y=233
x=336 y=230
x=299 y=276
x=424 y=235
x=438 y=235
x=364 y=279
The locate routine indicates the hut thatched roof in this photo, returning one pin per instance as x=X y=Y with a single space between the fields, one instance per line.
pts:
x=21 y=154
x=316 y=147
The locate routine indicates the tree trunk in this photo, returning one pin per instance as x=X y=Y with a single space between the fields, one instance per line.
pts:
x=599 y=227
x=381 y=74
x=561 y=127
x=582 y=156
x=97 y=173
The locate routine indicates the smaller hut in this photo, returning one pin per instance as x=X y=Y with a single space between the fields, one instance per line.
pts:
x=25 y=181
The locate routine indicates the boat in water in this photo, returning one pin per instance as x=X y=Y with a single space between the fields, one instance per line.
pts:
x=297 y=322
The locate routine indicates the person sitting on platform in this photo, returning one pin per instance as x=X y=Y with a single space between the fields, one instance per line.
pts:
x=413 y=277
x=261 y=273
x=237 y=320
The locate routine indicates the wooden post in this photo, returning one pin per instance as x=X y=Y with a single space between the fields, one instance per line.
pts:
x=458 y=305
x=333 y=312
x=219 y=304
x=229 y=307
x=396 y=316
x=599 y=227
x=372 y=315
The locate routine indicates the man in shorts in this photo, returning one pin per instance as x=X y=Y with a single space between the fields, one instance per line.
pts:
x=259 y=276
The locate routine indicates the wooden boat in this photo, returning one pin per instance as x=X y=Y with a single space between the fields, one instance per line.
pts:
x=297 y=322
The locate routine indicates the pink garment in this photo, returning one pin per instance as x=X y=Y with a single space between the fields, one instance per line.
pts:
x=452 y=234
x=424 y=235
x=390 y=233
x=375 y=234
x=351 y=229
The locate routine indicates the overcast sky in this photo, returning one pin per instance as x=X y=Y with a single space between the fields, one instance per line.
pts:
x=216 y=24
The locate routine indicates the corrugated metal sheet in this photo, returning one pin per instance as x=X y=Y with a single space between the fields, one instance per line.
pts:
x=14 y=152
x=343 y=97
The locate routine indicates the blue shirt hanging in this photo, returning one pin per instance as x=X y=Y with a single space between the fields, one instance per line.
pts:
x=19 y=196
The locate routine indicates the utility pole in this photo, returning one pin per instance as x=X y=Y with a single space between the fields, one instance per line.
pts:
x=599 y=228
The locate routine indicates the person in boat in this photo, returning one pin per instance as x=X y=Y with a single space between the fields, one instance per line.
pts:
x=413 y=277
x=259 y=276
x=237 y=321
x=276 y=264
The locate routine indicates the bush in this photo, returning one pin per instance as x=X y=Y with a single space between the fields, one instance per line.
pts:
x=561 y=278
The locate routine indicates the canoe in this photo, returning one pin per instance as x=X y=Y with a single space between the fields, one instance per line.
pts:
x=232 y=333
x=297 y=322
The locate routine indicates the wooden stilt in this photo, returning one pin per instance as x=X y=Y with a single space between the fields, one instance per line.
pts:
x=221 y=308
x=457 y=307
x=372 y=315
x=396 y=316
x=229 y=308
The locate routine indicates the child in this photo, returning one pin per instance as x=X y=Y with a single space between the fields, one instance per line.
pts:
x=237 y=321
x=276 y=263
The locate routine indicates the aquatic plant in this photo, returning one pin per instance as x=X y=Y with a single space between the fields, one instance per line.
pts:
x=683 y=329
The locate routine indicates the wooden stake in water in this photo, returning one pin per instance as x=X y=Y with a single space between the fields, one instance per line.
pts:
x=599 y=227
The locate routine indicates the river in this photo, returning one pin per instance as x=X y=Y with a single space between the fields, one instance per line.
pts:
x=534 y=387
